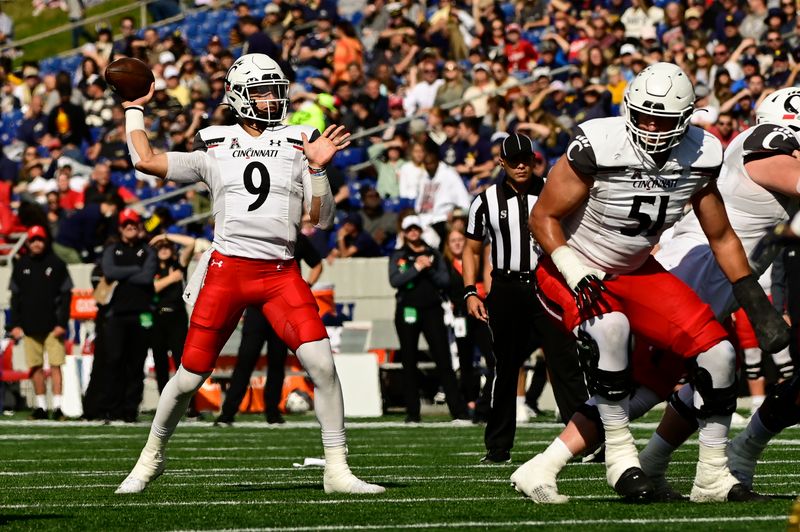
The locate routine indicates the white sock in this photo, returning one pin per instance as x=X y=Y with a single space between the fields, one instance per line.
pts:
x=557 y=455
x=41 y=402
x=317 y=359
x=613 y=412
x=714 y=431
x=756 y=401
x=520 y=401
x=56 y=402
x=172 y=406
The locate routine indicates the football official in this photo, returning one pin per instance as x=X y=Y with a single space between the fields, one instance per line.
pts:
x=517 y=320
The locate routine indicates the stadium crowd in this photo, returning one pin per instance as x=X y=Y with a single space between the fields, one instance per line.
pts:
x=455 y=78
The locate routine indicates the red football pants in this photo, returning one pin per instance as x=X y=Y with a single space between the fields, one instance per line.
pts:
x=233 y=283
x=661 y=309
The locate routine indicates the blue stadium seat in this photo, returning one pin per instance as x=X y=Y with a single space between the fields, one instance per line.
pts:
x=350 y=156
x=181 y=210
x=176 y=229
x=508 y=11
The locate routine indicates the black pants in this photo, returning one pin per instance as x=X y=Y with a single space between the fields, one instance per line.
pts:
x=169 y=335
x=430 y=322
x=519 y=324
x=126 y=343
x=95 y=403
x=477 y=335
x=255 y=331
x=792 y=265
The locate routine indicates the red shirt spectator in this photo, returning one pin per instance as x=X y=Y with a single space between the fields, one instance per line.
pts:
x=724 y=129
x=520 y=53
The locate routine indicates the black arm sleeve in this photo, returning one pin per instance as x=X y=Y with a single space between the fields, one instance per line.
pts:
x=580 y=154
x=64 y=299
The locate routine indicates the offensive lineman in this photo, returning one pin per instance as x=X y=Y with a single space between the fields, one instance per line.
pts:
x=263 y=176
x=757 y=197
x=599 y=216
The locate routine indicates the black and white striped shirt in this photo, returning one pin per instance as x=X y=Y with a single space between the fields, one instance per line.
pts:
x=503 y=213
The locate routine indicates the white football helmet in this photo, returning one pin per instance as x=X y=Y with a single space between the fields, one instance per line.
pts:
x=661 y=90
x=247 y=84
x=781 y=107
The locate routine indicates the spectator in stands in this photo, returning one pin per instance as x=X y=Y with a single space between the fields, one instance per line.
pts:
x=477 y=94
x=41 y=291
x=170 y=321
x=454 y=84
x=476 y=157
x=101 y=186
x=6 y=27
x=502 y=79
x=256 y=41
x=256 y=330
x=519 y=52
x=380 y=224
x=271 y=24
x=470 y=333
x=347 y=50
x=67 y=121
x=422 y=93
x=412 y=172
x=387 y=158
x=83 y=230
x=724 y=128
x=353 y=241
x=76 y=14
x=441 y=190
x=68 y=198
x=132 y=264
x=34 y=125
x=778 y=74
x=31 y=86
x=162 y=104
x=98 y=104
x=419 y=273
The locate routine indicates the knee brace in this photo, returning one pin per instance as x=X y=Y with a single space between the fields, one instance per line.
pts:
x=752 y=363
x=684 y=410
x=613 y=385
x=781 y=407
x=715 y=401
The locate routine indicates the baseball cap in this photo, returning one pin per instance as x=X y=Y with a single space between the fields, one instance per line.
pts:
x=541 y=72
x=30 y=72
x=481 y=66
x=411 y=221
x=129 y=215
x=37 y=231
x=171 y=72
x=693 y=12
x=627 y=49
x=160 y=84
x=517 y=146
x=214 y=40
x=513 y=27
x=355 y=219
x=730 y=20
x=558 y=85
x=272 y=8
x=750 y=60
x=780 y=55
x=395 y=101
x=449 y=121
x=166 y=57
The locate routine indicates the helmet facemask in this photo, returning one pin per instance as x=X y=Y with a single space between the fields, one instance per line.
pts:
x=264 y=101
x=659 y=141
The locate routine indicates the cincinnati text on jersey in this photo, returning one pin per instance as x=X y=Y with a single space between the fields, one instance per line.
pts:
x=650 y=182
x=252 y=152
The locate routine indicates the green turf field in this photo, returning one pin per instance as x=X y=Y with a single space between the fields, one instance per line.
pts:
x=61 y=476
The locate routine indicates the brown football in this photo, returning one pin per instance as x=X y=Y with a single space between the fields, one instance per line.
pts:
x=129 y=77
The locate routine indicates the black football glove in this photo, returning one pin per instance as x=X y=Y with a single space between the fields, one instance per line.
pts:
x=589 y=294
x=771 y=330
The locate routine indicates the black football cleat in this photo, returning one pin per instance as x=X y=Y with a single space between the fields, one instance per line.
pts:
x=497 y=457
x=634 y=486
x=38 y=413
x=741 y=493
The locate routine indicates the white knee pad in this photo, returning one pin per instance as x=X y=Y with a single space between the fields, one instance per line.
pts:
x=189 y=382
x=720 y=362
x=611 y=335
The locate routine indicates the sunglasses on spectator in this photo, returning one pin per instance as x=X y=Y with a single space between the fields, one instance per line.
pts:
x=720 y=52
x=428 y=71
x=774 y=39
x=450 y=67
x=724 y=123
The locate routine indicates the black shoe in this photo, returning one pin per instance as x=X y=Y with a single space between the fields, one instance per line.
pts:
x=39 y=413
x=412 y=419
x=223 y=421
x=130 y=418
x=741 y=493
x=634 y=486
x=669 y=495
x=497 y=457
x=58 y=415
x=275 y=418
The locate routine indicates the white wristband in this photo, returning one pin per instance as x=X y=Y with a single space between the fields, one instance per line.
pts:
x=134 y=119
x=320 y=186
x=794 y=225
x=571 y=267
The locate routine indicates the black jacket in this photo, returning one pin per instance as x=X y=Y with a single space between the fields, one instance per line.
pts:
x=414 y=288
x=134 y=266
x=41 y=291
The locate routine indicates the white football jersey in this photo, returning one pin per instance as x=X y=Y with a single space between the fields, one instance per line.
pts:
x=260 y=186
x=632 y=202
x=752 y=211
